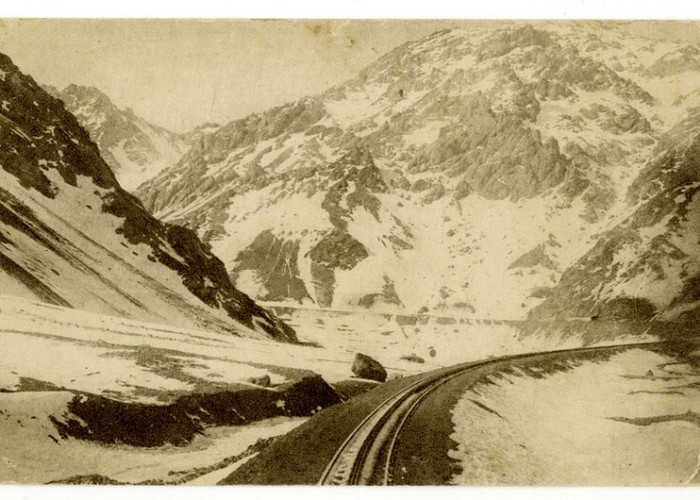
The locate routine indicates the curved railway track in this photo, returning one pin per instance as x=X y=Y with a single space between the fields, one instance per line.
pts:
x=365 y=457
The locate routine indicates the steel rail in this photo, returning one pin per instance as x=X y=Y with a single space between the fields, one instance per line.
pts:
x=356 y=460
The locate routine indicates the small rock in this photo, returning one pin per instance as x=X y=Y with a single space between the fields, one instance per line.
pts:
x=262 y=381
x=366 y=367
x=413 y=358
x=650 y=373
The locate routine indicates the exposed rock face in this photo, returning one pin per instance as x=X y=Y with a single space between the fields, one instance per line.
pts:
x=675 y=62
x=135 y=149
x=336 y=250
x=646 y=266
x=70 y=235
x=369 y=368
x=96 y=418
x=626 y=308
x=503 y=43
x=299 y=260
x=274 y=260
x=526 y=165
x=388 y=296
x=535 y=257
x=438 y=167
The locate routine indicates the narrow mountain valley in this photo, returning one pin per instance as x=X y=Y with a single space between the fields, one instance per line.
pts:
x=385 y=280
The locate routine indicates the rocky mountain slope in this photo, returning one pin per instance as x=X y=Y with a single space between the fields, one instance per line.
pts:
x=71 y=236
x=649 y=264
x=472 y=172
x=135 y=149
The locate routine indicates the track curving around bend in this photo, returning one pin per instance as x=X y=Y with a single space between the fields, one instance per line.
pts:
x=366 y=455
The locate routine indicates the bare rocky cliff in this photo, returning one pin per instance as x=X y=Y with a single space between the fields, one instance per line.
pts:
x=486 y=145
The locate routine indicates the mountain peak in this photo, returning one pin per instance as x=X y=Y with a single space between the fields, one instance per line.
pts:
x=489 y=136
x=73 y=88
x=72 y=236
x=134 y=148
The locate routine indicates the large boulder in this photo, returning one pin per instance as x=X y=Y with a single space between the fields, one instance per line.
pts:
x=369 y=368
x=309 y=396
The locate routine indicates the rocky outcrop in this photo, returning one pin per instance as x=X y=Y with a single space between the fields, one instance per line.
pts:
x=676 y=62
x=496 y=156
x=388 y=296
x=262 y=381
x=366 y=367
x=336 y=250
x=628 y=121
x=535 y=257
x=355 y=181
x=570 y=68
x=647 y=266
x=509 y=40
x=135 y=149
x=274 y=260
x=100 y=419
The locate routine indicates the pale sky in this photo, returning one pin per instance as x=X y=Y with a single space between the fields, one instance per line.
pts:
x=182 y=73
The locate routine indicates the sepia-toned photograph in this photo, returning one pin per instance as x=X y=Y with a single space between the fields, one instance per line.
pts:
x=349 y=252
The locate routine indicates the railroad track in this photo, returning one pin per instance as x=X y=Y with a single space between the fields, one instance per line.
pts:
x=365 y=456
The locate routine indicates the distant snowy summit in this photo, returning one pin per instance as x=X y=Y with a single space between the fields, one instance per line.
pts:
x=135 y=149
x=473 y=172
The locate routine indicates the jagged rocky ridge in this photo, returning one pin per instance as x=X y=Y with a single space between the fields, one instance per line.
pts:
x=647 y=266
x=470 y=172
x=71 y=236
x=135 y=149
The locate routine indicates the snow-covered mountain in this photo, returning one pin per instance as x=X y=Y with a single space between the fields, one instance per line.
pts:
x=471 y=172
x=71 y=236
x=649 y=264
x=135 y=149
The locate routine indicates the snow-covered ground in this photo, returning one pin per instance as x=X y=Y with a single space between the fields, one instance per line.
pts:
x=145 y=362
x=630 y=420
x=42 y=456
x=439 y=340
x=50 y=354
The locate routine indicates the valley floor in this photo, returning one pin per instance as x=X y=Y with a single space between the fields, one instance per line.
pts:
x=626 y=416
x=56 y=361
